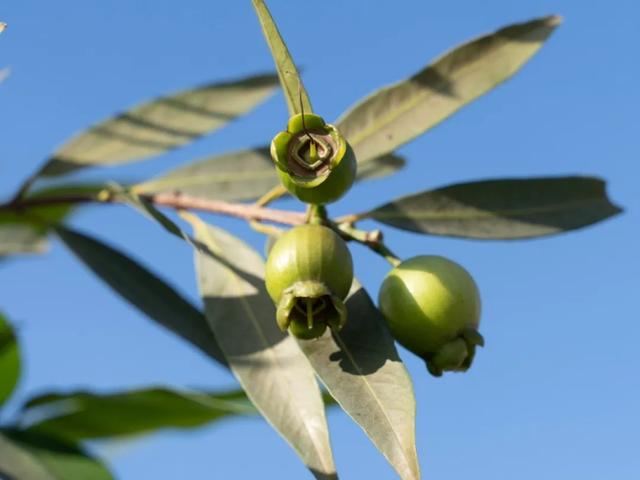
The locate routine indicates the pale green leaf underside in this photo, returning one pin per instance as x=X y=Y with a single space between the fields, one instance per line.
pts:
x=294 y=91
x=394 y=115
x=18 y=238
x=267 y=363
x=242 y=175
x=160 y=125
x=9 y=360
x=361 y=369
x=88 y=415
x=501 y=209
x=34 y=457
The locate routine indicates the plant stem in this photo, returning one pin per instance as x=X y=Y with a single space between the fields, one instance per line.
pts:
x=172 y=200
x=372 y=239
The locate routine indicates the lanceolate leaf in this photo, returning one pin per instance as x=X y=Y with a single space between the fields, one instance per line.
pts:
x=154 y=297
x=242 y=175
x=160 y=125
x=87 y=415
x=396 y=114
x=501 y=209
x=9 y=360
x=361 y=369
x=268 y=364
x=294 y=91
x=27 y=456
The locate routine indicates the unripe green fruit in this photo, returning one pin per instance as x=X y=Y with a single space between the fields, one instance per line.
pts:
x=314 y=161
x=432 y=307
x=308 y=274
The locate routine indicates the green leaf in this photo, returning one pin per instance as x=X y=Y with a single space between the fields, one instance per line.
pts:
x=501 y=209
x=267 y=363
x=160 y=125
x=143 y=289
x=242 y=175
x=396 y=114
x=86 y=415
x=362 y=370
x=25 y=456
x=294 y=91
x=9 y=360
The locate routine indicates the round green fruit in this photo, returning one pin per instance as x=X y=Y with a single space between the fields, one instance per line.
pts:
x=432 y=307
x=314 y=161
x=308 y=274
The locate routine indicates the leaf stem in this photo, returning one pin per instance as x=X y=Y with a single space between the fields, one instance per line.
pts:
x=372 y=239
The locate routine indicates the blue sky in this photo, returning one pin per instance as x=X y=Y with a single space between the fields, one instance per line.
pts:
x=555 y=392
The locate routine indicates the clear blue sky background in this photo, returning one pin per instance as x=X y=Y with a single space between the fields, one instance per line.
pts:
x=554 y=394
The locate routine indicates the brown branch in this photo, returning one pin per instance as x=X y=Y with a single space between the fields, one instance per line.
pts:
x=172 y=200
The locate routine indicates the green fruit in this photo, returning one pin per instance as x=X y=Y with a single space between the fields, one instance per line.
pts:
x=314 y=161
x=432 y=307
x=308 y=274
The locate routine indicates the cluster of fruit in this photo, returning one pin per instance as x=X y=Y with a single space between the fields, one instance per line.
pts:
x=431 y=304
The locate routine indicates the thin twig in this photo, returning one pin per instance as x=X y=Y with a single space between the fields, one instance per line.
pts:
x=176 y=201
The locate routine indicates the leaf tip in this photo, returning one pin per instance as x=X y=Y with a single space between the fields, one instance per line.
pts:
x=554 y=20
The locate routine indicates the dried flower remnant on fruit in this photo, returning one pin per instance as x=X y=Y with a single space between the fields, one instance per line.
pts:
x=314 y=161
x=308 y=275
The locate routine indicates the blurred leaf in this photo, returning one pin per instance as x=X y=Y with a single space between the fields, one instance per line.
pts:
x=160 y=125
x=25 y=456
x=294 y=91
x=267 y=363
x=379 y=167
x=361 y=369
x=86 y=415
x=144 y=290
x=9 y=360
x=396 y=114
x=501 y=209
x=20 y=238
x=24 y=230
x=242 y=175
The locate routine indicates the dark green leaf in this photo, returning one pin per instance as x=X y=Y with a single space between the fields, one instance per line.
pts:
x=361 y=369
x=28 y=456
x=501 y=209
x=9 y=360
x=242 y=175
x=160 y=125
x=86 y=415
x=267 y=363
x=394 y=115
x=294 y=91
x=144 y=290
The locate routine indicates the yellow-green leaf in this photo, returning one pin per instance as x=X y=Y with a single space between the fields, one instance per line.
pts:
x=160 y=125
x=268 y=364
x=362 y=370
x=9 y=360
x=294 y=91
x=394 y=115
